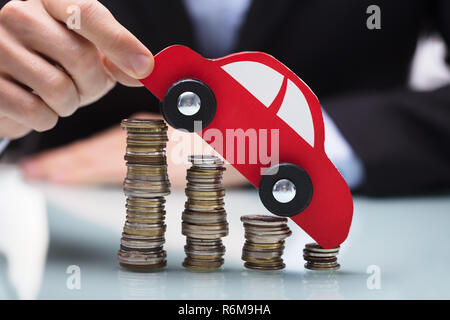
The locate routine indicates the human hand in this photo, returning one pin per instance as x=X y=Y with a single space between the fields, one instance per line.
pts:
x=48 y=71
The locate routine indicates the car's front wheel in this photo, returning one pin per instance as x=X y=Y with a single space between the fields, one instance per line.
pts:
x=285 y=189
x=189 y=104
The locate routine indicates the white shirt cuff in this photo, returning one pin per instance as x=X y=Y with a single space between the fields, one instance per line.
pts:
x=341 y=154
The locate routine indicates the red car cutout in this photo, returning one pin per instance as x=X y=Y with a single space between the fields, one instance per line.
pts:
x=254 y=91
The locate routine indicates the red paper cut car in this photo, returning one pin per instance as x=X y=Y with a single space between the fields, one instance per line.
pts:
x=254 y=91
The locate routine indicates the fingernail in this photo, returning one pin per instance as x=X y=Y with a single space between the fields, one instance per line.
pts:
x=142 y=65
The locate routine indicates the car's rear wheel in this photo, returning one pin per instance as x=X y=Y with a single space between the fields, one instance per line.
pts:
x=285 y=189
x=189 y=104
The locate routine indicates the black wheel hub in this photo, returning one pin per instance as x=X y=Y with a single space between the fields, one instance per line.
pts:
x=197 y=121
x=303 y=189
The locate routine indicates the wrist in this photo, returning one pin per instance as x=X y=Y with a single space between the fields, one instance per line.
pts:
x=342 y=154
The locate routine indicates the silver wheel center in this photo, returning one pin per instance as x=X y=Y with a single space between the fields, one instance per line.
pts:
x=188 y=103
x=284 y=191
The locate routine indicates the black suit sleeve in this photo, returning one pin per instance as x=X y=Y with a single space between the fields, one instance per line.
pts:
x=402 y=136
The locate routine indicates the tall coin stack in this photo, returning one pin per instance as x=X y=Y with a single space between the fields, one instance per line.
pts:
x=146 y=184
x=264 y=245
x=318 y=258
x=204 y=218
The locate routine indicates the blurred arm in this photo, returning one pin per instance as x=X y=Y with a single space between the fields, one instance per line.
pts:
x=342 y=154
x=402 y=138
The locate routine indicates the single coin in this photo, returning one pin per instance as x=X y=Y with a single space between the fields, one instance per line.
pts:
x=204 y=249
x=142 y=211
x=205 y=180
x=141 y=258
x=143 y=268
x=317 y=259
x=323 y=264
x=267 y=230
x=152 y=137
x=151 y=176
x=320 y=255
x=203 y=210
x=202 y=263
x=129 y=243
x=203 y=160
x=206 y=195
x=144 y=250
x=145 y=232
x=203 y=173
x=146 y=215
x=256 y=266
x=205 y=227
x=145 y=159
x=314 y=247
x=206 y=236
x=143 y=123
x=263 y=220
x=146 y=194
x=145 y=220
x=273 y=260
x=219 y=202
x=146 y=167
x=266 y=254
x=316 y=268
x=199 y=268
x=203 y=242
x=204 y=187
x=140 y=237
x=154 y=145
x=261 y=238
x=145 y=208
x=141 y=152
x=203 y=256
x=157 y=201
x=264 y=246
x=156 y=177
x=203 y=218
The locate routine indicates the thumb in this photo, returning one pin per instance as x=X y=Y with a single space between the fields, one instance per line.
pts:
x=118 y=75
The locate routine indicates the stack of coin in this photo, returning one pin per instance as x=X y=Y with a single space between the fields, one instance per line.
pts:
x=145 y=186
x=264 y=245
x=204 y=218
x=318 y=258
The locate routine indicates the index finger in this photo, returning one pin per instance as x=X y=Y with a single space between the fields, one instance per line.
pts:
x=93 y=21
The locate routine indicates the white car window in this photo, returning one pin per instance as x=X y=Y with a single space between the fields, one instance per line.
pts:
x=260 y=80
x=296 y=113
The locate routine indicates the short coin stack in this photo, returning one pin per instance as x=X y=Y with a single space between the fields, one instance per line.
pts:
x=145 y=186
x=264 y=245
x=319 y=259
x=204 y=218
